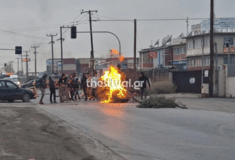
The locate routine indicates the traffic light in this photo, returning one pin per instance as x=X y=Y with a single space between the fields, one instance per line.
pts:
x=5 y=64
x=18 y=50
x=73 y=32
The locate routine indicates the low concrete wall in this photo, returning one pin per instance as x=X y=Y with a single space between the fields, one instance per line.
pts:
x=230 y=87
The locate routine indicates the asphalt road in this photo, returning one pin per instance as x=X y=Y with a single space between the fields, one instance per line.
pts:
x=154 y=134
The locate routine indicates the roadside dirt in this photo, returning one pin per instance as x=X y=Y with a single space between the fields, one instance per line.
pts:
x=28 y=134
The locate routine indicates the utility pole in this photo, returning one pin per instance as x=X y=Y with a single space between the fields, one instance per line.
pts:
x=61 y=39
x=216 y=71
x=22 y=69
x=18 y=58
x=35 y=53
x=92 y=48
x=211 y=74
x=52 y=42
x=10 y=64
x=61 y=44
x=229 y=52
x=187 y=25
x=203 y=45
x=135 y=32
x=27 y=68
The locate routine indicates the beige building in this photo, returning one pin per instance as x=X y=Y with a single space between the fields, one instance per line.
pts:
x=198 y=50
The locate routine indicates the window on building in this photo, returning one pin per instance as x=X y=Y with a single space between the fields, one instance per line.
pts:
x=198 y=43
x=176 y=50
x=190 y=44
x=191 y=62
x=228 y=40
x=206 y=61
x=231 y=60
x=184 y=50
x=207 y=42
x=181 y=50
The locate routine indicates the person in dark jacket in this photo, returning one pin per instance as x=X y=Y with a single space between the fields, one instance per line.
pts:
x=42 y=85
x=84 y=85
x=143 y=81
x=71 y=83
x=76 y=87
x=62 y=88
x=52 y=88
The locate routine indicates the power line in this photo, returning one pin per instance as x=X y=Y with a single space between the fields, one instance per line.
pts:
x=16 y=44
x=38 y=28
x=21 y=34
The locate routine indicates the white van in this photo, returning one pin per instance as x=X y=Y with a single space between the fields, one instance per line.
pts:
x=14 y=79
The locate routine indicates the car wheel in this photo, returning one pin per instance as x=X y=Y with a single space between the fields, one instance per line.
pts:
x=26 y=97
x=11 y=100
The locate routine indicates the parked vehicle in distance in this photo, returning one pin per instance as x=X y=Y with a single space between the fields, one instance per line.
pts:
x=14 y=79
x=10 y=91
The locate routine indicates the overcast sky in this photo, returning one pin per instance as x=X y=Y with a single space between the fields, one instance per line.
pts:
x=46 y=16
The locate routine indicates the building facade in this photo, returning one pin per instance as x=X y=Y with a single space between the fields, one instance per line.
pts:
x=198 y=50
x=169 y=55
x=69 y=66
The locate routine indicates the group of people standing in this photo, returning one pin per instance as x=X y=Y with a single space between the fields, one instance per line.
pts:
x=89 y=86
x=69 y=87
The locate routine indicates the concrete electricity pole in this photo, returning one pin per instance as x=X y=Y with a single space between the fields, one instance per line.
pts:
x=61 y=47
x=35 y=53
x=27 y=67
x=92 y=48
x=61 y=39
x=187 y=25
x=211 y=83
x=22 y=68
x=135 y=32
x=11 y=67
x=52 y=42
x=18 y=58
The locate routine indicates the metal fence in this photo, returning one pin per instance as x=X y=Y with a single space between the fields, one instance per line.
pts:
x=231 y=70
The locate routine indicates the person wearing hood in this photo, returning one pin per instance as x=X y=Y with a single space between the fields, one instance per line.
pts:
x=52 y=88
x=143 y=81
x=84 y=85
x=42 y=85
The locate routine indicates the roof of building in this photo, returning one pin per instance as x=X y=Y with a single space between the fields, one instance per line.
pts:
x=208 y=34
x=162 y=47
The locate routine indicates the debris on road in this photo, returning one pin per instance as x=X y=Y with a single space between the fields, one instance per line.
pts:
x=161 y=102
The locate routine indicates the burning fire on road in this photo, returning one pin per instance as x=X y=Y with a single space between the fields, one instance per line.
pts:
x=113 y=90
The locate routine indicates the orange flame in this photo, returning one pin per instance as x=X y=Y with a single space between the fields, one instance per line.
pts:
x=114 y=51
x=113 y=81
x=121 y=58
